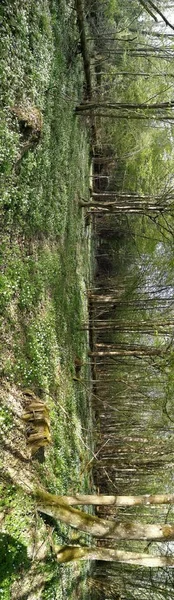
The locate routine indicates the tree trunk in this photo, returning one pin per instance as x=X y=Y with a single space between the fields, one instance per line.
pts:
x=133 y=117
x=124 y=105
x=70 y=553
x=100 y=528
x=123 y=352
x=117 y=207
x=103 y=500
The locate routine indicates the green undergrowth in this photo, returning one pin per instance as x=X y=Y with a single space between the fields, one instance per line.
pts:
x=45 y=270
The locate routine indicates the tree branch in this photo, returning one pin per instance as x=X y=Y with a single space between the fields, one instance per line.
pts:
x=143 y=4
x=160 y=14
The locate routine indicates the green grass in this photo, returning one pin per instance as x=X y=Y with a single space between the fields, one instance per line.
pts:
x=45 y=266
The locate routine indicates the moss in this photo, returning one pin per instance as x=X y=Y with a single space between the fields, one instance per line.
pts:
x=13 y=556
x=69 y=553
x=50 y=500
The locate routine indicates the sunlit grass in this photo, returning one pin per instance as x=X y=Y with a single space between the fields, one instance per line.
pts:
x=44 y=271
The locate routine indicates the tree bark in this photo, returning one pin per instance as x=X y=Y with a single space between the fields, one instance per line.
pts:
x=71 y=553
x=122 y=352
x=104 y=500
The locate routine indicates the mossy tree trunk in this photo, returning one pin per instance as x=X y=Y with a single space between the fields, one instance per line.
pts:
x=71 y=553
x=100 y=528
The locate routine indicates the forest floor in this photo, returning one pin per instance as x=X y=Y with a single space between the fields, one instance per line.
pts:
x=45 y=272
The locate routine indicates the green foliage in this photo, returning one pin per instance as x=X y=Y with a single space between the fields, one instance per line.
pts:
x=6 y=419
x=13 y=559
x=14 y=556
x=44 y=266
x=137 y=69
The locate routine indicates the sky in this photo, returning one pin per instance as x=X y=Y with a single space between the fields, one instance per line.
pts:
x=169 y=14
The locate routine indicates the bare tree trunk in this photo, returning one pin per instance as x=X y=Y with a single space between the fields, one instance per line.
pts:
x=103 y=500
x=145 y=117
x=70 y=553
x=123 y=352
x=139 y=74
x=124 y=105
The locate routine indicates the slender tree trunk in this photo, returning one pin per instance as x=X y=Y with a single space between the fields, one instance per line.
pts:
x=103 y=500
x=122 y=352
x=146 y=32
x=138 y=74
x=126 y=196
x=117 y=207
x=71 y=553
x=145 y=117
x=124 y=105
